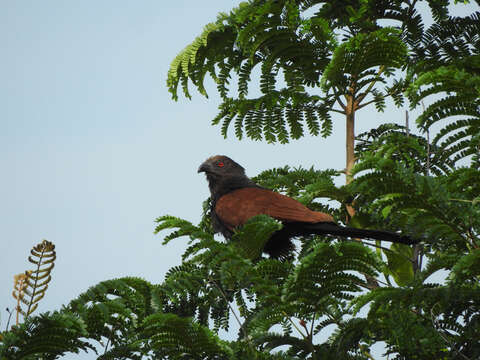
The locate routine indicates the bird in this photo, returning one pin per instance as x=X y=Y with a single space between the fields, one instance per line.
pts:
x=235 y=199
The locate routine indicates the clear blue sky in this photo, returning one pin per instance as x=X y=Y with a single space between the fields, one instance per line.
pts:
x=93 y=149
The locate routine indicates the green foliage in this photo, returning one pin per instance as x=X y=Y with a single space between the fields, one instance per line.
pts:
x=331 y=299
x=392 y=142
x=171 y=336
x=450 y=64
x=339 y=49
x=283 y=309
x=46 y=336
x=253 y=236
x=395 y=188
x=399 y=260
x=283 y=294
x=424 y=206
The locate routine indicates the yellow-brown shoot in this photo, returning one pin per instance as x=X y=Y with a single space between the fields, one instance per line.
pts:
x=30 y=286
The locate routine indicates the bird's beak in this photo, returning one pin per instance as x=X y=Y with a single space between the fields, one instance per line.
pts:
x=204 y=168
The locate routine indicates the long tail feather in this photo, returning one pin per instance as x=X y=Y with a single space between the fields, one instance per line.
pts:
x=334 y=229
x=280 y=245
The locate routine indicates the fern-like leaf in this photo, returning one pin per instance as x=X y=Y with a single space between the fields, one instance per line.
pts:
x=31 y=286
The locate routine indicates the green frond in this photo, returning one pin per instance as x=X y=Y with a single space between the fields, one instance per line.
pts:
x=271 y=341
x=434 y=312
x=312 y=122
x=292 y=182
x=181 y=281
x=379 y=100
x=273 y=270
x=446 y=107
x=451 y=39
x=328 y=271
x=456 y=126
x=243 y=78
x=269 y=127
x=226 y=122
x=185 y=228
x=419 y=205
x=253 y=236
x=253 y=125
x=348 y=338
x=467 y=269
x=391 y=141
x=126 y=295
x=46 y=336
x=195 y=60
x=266 y=117
x=294 y=120
x=363 y=52
x=174 y=337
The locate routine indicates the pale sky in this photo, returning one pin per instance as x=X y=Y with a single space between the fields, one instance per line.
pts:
x=93 y=149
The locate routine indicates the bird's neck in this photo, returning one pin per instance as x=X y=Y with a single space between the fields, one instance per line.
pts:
x=224 y=185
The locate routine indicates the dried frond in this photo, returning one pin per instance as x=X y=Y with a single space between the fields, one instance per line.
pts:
x=30 y=287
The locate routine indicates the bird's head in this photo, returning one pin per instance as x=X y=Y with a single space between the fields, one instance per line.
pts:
x=224 y=175
x=220 y=166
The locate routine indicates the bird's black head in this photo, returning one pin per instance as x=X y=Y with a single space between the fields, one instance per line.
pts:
x=221 y=166
x=223 y=174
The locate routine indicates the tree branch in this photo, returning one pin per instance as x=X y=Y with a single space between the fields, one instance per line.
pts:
x=367 y=103
x=339 y=100
x=338 y=111
x=230 y=306
x=370 y=86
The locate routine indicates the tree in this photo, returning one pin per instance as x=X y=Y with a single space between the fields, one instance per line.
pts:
x=334 y=56
x=285 y=309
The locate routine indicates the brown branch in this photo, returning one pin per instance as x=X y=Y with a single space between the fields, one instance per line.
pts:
x=370 y=86
x=339 y=100
x=338 y=111
x=365 y=104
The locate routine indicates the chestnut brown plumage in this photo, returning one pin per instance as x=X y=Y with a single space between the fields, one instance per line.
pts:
x=236 y=199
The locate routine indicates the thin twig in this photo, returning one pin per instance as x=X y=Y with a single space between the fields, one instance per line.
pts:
x=230 y=307
x=367 y=354
x=305 y=337
x=461 y=200
x=338 y=111
x=339 y=100
x=370 y=86
x=313 y=321
x=295 y=326
x=407 y=127
x=427 y=165
x=367 y=103
x=37 y=275
x=439 y=332
x=10 y=313
x=389 y=93
x=108 y=341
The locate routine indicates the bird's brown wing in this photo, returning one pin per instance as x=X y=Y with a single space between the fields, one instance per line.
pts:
x=236 y=207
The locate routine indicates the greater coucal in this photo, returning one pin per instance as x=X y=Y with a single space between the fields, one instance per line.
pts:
x=235 y=199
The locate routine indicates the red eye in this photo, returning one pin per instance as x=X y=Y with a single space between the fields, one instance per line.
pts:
x=220 y=164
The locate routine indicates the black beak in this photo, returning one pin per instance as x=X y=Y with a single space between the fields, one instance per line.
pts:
x=203 y=168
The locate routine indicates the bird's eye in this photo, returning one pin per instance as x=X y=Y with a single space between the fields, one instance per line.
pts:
x=220 y=164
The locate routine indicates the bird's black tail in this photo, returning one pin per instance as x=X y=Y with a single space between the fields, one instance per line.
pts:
x=345 y=231
x=280 y=245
